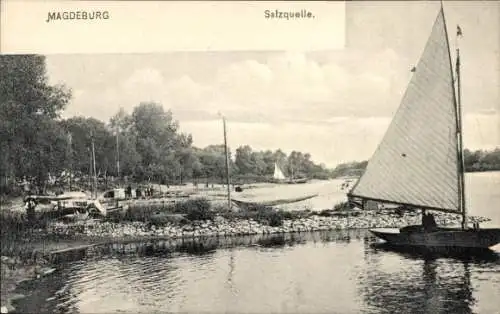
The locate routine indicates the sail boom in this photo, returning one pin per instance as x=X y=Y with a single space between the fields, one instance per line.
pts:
x=418 y=206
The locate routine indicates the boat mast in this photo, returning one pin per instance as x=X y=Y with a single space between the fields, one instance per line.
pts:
x=118 y=156
x=458 y=112
x=93 y=163
x=70 y=148
x=460 y=138
x=228 y=180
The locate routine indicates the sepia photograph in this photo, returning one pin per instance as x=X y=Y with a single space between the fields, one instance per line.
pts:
x=317 y=157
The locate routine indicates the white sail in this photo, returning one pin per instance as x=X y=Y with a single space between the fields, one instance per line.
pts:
x=416 y=162
x=278 y=174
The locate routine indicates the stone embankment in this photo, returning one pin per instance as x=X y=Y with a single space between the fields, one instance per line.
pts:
x=234 y=227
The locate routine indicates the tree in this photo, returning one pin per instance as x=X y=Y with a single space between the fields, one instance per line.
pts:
x=243 y=159
x=157 y=139
x=29 y=108
x=122 y=127
x=259 y=166
x=269 y=161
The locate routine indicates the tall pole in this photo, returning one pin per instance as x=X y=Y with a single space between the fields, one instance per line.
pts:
x=91 y=185
x=117 y=156
x=228 y=180
x=70 y=148
x=460 y=144
x=94 y=167
x=458 y=112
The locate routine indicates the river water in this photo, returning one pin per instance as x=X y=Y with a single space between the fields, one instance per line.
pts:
x=327 y=272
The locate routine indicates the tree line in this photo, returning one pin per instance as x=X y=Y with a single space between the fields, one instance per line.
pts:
x=146 y=144
x=482 y=160
x=474 y=161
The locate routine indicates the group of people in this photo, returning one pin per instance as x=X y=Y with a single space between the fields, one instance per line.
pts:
x=345 y=185
x=148 y=192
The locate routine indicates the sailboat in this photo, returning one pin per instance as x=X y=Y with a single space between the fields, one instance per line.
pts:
x=419 y=162
x=278 y=176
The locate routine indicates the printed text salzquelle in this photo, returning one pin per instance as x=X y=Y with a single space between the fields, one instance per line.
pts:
x=77 y=15
x=288 y=15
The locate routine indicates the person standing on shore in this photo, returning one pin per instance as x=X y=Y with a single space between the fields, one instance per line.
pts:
x=30 y=209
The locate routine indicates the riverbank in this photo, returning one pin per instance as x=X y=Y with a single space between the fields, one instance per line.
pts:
x=27 y=249
x=222 y=226
x=32 y=259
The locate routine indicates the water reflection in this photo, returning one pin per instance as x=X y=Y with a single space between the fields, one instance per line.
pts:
x=419 y=281
x=328 y=272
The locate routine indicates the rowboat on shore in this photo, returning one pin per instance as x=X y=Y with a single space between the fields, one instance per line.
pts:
x=256 y=204
x=74 y=205
x=419 y=162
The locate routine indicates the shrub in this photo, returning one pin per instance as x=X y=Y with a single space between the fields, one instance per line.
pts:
x=341 y=206
x=162 y=219
x=260 y=213
x=199 y=204
x=199 y=214
x=275 y=219
x=197 y=209
x=140 y=213
x=193 y=209
x=16 y=226
x=221 y=208
x=324 y=213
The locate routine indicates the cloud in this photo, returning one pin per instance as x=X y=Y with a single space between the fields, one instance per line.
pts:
x=291 y=85
x=336 y=106
x=482 y=130
x=283 y=87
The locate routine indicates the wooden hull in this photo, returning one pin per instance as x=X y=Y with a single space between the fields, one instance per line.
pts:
x=250 y=204
x=278 y=181
x=441 y=237
x=298 y=181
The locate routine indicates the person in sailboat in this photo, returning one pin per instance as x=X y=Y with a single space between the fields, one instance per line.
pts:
x=428 y=221
x=432 y=222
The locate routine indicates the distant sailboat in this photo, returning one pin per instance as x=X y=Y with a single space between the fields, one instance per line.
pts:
x=419 y=163
x=278 y=175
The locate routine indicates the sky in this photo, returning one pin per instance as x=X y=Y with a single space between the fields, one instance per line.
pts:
x=335 y=104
